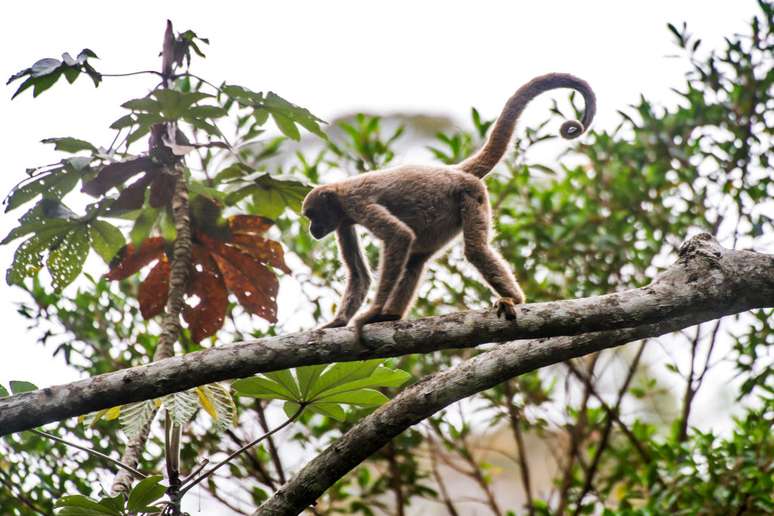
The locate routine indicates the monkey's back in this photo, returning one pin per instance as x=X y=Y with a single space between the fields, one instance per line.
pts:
x=425 y=198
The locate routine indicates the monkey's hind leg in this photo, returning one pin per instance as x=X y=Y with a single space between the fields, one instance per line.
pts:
x=475 y=229
x=397 y=239
x=402 y=296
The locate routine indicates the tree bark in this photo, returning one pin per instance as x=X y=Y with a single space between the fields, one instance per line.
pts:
x=707 y=282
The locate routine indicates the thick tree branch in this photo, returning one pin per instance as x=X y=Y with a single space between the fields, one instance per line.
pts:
x=707 y=282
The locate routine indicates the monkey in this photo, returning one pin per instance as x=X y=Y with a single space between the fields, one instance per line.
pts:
x=415 y=210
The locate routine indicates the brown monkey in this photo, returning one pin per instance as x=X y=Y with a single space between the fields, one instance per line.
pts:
x=416 y=210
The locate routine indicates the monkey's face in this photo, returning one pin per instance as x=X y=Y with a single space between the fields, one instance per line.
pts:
x=324 y=212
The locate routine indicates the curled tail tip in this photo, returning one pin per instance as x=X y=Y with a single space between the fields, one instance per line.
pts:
x=571 y=129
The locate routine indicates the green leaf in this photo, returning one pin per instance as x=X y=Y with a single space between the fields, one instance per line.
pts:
x=260 y=387
x=147 y=491
x=28 y=258
x=115 y=503
x=332 y=410
x=124 y=121
x=290 y=408
x=39 y=219
x=146 y=104
x=68 y=144
x=31 y=189
x=307 y=376
x=272 y=194
x=207 y=112
x=343 y=372
x=381 y=377
x=286 y=379
x=79 y=505
x=45 y=82
x=65 y=261
x=286 y=125
x=106 y=239
x=279 y=106
x=361 y=397
x=143 y=225
x=20 y=386
x=44 y=66
x=3 y=392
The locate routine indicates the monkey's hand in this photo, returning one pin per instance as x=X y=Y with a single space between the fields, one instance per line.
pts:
x=506 y=307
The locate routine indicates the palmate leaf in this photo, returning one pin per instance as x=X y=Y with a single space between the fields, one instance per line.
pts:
x=45 y=72
x=324 y=388
x=271 y=194
x=285 y=114
x=79 y=505
x=230 y=256
x=135 y=416
x=181 y=406
x=216 y=400
x=52 y=183
x=65 y=260
x=64 y=237
x=147 y=491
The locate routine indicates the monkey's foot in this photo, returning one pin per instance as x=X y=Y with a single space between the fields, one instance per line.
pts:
x=506 y=306
x=336 y=323
x=383 y=318
x=371 y=315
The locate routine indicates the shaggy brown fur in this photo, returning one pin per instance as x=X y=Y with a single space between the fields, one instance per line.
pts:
x=416 y=210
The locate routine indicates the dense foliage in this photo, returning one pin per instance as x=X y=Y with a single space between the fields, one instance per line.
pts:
x=605 y=217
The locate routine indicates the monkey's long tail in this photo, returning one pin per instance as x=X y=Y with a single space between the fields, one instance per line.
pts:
x=483 y=161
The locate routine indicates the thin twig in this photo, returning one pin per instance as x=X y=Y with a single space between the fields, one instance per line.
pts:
x=575 y=437
x=252 y=443
x=20 y=496
x=273 y=452
x=118 y=463
x=514 y=419
x=605 y=439
x=141 y=72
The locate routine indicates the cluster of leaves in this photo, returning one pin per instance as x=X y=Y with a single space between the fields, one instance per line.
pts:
x=325 y=388
x=45 y=72
x=226 y=258
x=140 y=500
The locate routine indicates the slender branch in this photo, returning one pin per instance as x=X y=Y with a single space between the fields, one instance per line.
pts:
x=576 y=432
x=682 y=434
x=136 y=473
x=264 y=476
x=395 y=481
x=605 y=438
x=20 y=495
x=514 y=420
x=617 y=418
x=438 y=479
x=275 y=457
x=191 y=483
x=140 y=72
x=196 y=470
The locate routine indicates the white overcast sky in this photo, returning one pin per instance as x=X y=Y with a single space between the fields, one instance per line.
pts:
x=331 y=57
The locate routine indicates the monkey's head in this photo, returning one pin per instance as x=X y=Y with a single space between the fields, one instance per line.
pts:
x=324 y=211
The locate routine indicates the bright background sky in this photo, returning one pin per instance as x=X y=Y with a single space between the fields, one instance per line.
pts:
x=438 y=57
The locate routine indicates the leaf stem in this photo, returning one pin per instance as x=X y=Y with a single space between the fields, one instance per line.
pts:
x=118 y=463
x=189 y=484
